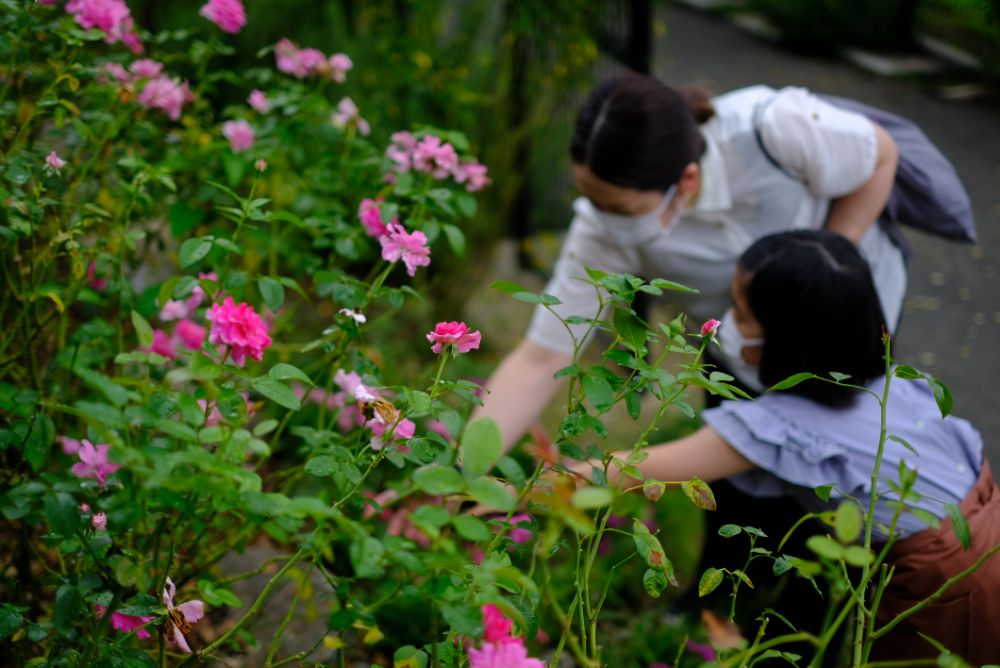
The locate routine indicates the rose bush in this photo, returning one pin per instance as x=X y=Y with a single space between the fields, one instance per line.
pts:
x=197 y=300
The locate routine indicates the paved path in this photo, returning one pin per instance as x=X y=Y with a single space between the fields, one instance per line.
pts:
x=951 y=323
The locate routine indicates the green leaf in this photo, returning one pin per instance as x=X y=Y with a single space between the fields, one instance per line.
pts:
x=588 y=498
x=492 y=493
x=700 y=493
x=456 y=239
x=194 y=250
x=825 y=546
x=322 y=466
x=142 y=330
x=824 y=491
x=599 y=392
x=366 y=556
x=729 y=530
x=272 y=291
x=285 y=217
x=265 y=427
x=192 y=413
x=847 y=522
x=959 y=524
x=839 y=377
x=926 y=517
x=792 y=381
x=438 y=480
x=466 y=620
x=654 y=582
x=481 y=447
x=781 y=566
x=471 y=528
x=651 y=551
x=409 y=657
x=857 y=555
x=286 y=372
x=276 y=391
x=907 y=372
x=571 y=370
x=11 y=619
x=177 y=430
x=744 y=577
x=903 y=442
x=942 y=395
x=69 y=603
x=510 y=287
x=664 y=284
x=532 y=298
x=62 y=513
x=115 y=393
x=632 y=330
x=710 y=579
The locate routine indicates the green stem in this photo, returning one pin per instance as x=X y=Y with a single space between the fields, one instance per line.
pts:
x=271 y=584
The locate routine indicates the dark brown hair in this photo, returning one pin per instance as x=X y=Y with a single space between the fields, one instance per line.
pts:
x=636 y=132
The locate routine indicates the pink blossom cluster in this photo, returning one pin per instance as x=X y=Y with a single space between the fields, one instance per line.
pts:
x=112 y=17
x=227 y=14
x=240 y=135
x=167 y=94
x=500 y=649
x=93 y=462
x=187 y=333
x=302 y=63
x=410 y=247
x=238 y=327
x=351 y=415
x=348 y=116
x=158 y=90
x=433 y=156
x=455 y=334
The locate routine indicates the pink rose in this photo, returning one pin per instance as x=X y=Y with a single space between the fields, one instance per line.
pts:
x=347 y=115
x=258 y=100
x=99 y=521
x=710 y=327
x=188 y=613
x=227 y=14
x=166 y=94
x=93 y=462
x=191 y=334
x=126 y=623
x=240 y=135
x=339 y=65
x=453 y=334
x=371 y=217
x=112 y=17
x=145 y=68
x=53 y=163
x=162 y=345
x=240 y=328
x=411 y=247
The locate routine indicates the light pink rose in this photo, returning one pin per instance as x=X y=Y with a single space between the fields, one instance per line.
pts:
x=371 y=217
x=258 y=100
x=99 y=521
x=411 y=247
x=347 y=115
x=166 y=94
x=93 y=462
x=145 y=68
x=190 y=612
x=53 y=163
x=339 y=65
x=240 y=135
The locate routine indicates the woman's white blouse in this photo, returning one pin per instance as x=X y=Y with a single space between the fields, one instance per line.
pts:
x=825 y=152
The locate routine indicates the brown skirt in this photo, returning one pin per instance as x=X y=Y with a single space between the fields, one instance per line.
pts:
x=966 y=618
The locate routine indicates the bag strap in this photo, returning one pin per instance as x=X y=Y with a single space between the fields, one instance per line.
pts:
x=758 y=123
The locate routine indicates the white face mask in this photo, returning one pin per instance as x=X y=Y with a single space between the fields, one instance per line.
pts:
x=732 y=343
x=636 y=230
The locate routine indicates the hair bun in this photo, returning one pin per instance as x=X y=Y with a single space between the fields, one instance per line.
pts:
x=699 y=102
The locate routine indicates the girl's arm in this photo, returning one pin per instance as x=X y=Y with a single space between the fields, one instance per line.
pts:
x=703 y=454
